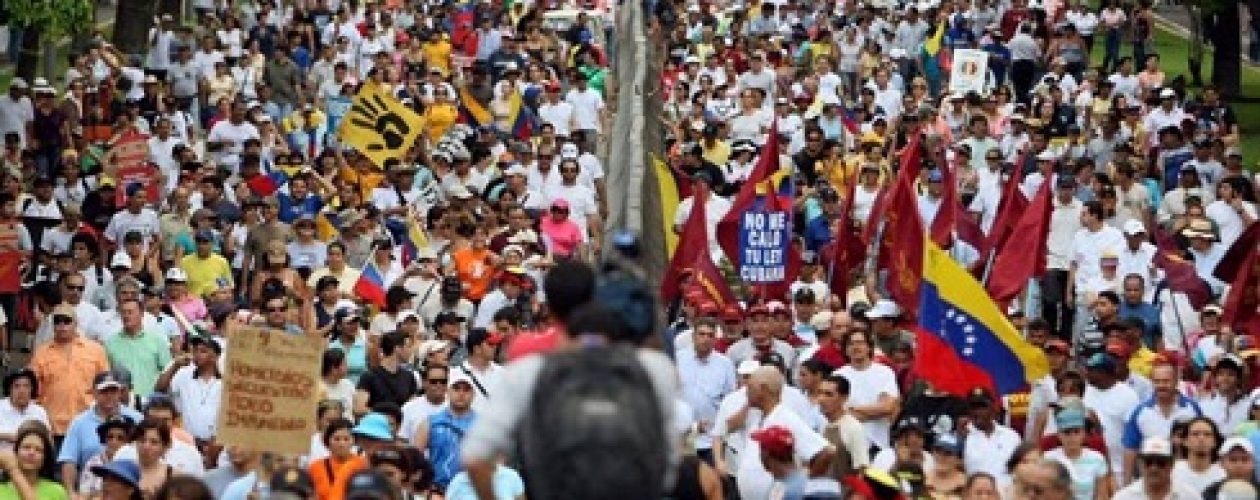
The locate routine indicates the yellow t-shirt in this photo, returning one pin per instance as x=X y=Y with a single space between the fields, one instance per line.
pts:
x=719 y=153
x=203 y=273
x=438 y=118
x=438 y=55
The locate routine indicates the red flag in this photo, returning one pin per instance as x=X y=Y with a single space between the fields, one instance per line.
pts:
x=1010 y=207
x=693 y=242
x=1240 y=306
x=969 y=230
x=1231 y=263
x=706 y=277
x=911 y=163
x=901 y=246
x=1179 y=273
x=947 y=215
x=847 y=250
x=1023 y=257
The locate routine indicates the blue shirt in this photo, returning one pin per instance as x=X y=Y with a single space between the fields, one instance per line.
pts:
x=356 y=356
x=291 y=209
x=82 y=441
x=445 y=433
x=817 y=233
x=1147 y=421
x=1149 y=315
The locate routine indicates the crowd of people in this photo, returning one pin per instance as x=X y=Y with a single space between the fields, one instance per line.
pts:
x=485 y=338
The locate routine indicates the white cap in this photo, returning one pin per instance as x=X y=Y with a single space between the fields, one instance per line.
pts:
x=1156 y=447
x=897 y=53
x=1168 y=94
x=458 y=376
x=176 y=274
x=747 y=367
x=1238 y=442
x=515 y=169
x=569 y=150
x=431 y=346
x=510 y=66
x=404 y=316
x=120 y=259
x=691 y=60
x=18 y=83
x=1134 y=226
x=41 y=82
x=1047 y=155
x=884 y=309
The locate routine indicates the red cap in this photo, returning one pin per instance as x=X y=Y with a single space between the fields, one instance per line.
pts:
x=693 y=296
x=732 y=312
x=758 y=310
x=709 y=308
x=775 y=440
x=777 y=307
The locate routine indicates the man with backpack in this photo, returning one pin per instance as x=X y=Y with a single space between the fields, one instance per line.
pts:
x=591 y=419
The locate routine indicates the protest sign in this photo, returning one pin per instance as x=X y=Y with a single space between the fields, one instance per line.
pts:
x=130 y=158
x=763 y=246
x=969 y=71
x=270 y=392
x=380 y=126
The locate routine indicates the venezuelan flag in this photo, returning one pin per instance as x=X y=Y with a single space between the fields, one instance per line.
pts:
x=267 y=184
x=964 y=340
x=371 y=285
x=326 y=224
x=415 y=240
x=520 y=116
x=471 y=112
x=668 y=189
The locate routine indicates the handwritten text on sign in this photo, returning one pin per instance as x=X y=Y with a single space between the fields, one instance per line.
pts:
x=271 y=391
x=764 y=239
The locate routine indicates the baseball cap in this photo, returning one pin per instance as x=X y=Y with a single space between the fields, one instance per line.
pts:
x=1133 y=227
x=369 y=483
x=747 y=367
x=1065 y=182
x=883 y=308
x=214 y=344
x=176 y=274
x=1057 y=346
x=979 y=396
x=477 y=336
x=126 y=470
x=120 y=259
x=948 y=443
x=107 y=380
x=1101 y=361
x=374 y=426
x=292 y=480
x=1212 y=309
x=1156 y=447
x=447 y=317
x=1168 y=94
x=908 y=424
x=775 y=440
x=1069 y=418
x=569 y=150
x=1238 y=442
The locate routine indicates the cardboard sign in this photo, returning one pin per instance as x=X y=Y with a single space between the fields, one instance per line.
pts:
x=969 y=71
x=130 y=158
x=270 y=392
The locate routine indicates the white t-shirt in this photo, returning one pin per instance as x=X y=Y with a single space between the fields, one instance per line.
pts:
x=15 y=114
x=867 y=386
x=753 y=479
x=182 y=457
x=235 y=135
x=1085 y=470
x=414 y=412
x=586 y=108
x=1112 y=406
x=198 y=401
x=1182 y=474
x=560 y=115
x=1228 y=223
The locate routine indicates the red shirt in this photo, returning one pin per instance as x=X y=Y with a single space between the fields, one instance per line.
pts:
x=535 y=342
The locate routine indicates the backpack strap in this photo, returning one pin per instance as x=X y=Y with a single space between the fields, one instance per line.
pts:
x=464 y=366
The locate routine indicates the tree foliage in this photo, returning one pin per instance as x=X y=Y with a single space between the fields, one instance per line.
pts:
x=51 y=17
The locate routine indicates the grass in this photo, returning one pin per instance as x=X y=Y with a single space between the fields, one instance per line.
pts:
x=1172 y=49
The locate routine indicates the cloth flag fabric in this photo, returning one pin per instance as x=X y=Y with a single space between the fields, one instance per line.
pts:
x=1010 y=206
x=668 y=191
x=415 y=240
x=267 y=184
x=371 y=285
x=1240 y=308
x=471 y=111
x=1179 y=273
x=901 y=244
x=846 y=251
x=380 y=126
x=943 y=225
x=1023 y=257
x=693 y=242
x=964 y=340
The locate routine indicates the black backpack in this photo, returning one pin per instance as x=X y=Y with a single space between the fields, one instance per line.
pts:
x=593 y=428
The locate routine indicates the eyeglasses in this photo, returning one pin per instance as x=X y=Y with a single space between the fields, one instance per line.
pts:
x=76 y=288
x=441 y=381
x=62 y=319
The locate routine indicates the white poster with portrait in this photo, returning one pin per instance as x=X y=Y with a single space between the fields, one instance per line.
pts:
x=969 y=71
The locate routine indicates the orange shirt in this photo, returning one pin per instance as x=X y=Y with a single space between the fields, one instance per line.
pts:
x=334 y=487
x=65 y=373
x=475 y=271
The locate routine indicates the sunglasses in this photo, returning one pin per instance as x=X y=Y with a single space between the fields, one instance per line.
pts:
x=438 y=381
x=62 y=319
x=277 y=309
x=76 y=288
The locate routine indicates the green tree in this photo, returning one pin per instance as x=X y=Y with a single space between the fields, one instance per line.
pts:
x=45 y=21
